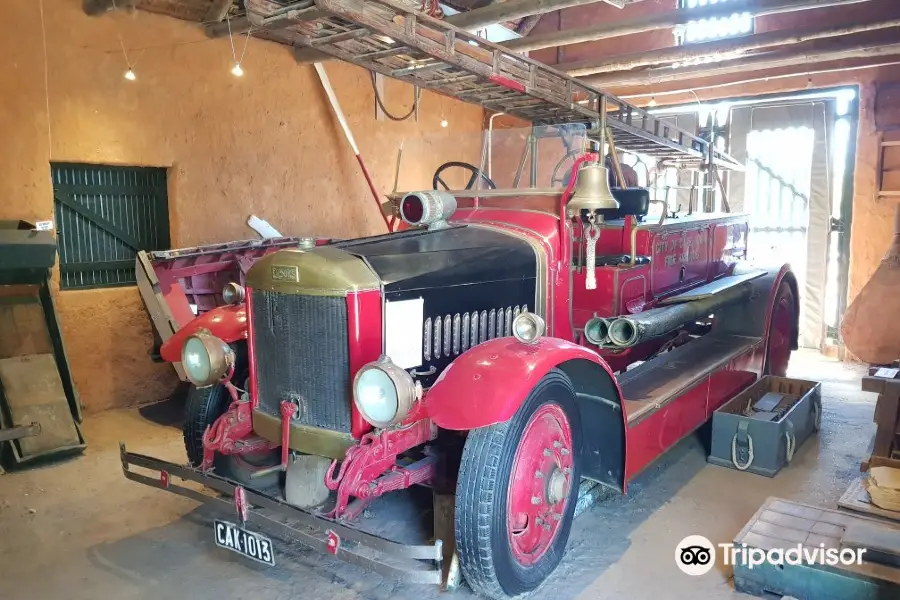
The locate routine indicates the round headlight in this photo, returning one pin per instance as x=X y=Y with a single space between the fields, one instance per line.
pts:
x=528 y=327
x=206 y=359
x=383 y=392
x=233 y=293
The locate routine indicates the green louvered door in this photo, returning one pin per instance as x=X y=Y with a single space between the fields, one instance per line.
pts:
x=104 y=215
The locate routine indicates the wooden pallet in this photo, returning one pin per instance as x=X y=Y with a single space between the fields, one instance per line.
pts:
x=780 y=524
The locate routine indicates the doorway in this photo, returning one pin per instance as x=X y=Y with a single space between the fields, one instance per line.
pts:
x=797 y=186
x=796 y=153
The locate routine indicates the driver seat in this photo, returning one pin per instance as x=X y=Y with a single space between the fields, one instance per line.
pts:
x=632 y=201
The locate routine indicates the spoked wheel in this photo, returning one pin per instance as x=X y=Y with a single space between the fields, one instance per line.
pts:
x=516 y=493
x=202 y=408
x=781 y=329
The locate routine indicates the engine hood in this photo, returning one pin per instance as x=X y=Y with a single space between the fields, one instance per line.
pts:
x=323 y=271
x=451 y=257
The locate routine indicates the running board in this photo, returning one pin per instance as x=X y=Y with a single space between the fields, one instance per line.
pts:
x=653 y=384
x=713 y=287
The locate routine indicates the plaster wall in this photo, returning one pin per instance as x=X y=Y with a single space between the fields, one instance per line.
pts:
x=266 y=143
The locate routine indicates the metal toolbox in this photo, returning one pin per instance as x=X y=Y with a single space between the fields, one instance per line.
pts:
x=760 y=429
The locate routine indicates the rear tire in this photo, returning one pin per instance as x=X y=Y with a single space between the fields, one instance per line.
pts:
x=780 y=339
x=202 y=408
x=516 y=493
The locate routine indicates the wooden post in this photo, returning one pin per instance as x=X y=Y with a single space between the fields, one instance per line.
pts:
x=444 y=523
x=665 y=20
x=718 y=47
x=217 y=11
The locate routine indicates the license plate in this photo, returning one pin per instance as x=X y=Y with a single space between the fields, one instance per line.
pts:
x=246 y=543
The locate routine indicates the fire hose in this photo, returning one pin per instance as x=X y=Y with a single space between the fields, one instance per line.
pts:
x=630 y=330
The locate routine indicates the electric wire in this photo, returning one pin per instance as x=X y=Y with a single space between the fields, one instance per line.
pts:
x=386 y=112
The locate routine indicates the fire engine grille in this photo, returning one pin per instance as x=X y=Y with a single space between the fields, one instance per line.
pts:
x=300 y=343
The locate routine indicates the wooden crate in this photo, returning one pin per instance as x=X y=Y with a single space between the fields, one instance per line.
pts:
x=886 y=444
x=763 y=447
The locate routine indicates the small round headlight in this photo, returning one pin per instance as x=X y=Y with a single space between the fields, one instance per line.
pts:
x=528 y=327
x=233 y=293
x=383 y=392
x=206 y=359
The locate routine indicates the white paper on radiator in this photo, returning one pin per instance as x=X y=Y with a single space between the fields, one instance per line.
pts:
x=403 y=332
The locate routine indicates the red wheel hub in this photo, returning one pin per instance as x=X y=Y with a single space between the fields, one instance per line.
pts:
x=540 y=483
x=780 y=336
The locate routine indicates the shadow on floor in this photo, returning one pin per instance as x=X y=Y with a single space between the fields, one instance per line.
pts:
x=183 y=556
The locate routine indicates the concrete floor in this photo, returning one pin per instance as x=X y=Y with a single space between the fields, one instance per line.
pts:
x=80 y=530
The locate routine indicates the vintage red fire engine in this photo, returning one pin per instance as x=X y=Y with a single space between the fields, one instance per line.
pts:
x=530 y=339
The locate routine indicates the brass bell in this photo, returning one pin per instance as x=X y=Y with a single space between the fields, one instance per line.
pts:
x=591 y=191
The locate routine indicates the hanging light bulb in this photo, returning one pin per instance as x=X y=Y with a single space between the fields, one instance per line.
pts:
x=237 y=71
x=652 y=102
x=129 y=75
x=444 y=122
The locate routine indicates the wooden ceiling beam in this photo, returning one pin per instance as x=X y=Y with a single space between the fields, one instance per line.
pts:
x=666 y=20
x=217 y=11
x=729 y=48
x=692 y=90
x=771 y=60
x=510 y=10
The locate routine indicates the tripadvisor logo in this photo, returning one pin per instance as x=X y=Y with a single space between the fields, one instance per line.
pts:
x=696 y=555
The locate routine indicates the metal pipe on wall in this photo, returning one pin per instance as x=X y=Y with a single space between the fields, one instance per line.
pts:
x=667 y=20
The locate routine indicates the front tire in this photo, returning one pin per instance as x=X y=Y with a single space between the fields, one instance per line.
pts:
x=202 y=407
x=516 y=492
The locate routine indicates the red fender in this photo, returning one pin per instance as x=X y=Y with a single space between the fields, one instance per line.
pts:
x=228 y=323
x=487 y=384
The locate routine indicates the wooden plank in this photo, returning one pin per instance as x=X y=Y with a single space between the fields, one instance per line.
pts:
x=97 y=220
x=96 y=266
x=23 y=330
x=217 y=11
x=155 y=303
x=857 y=499
x=857 y=577
x=33 y=393
x=873 y=384
x=887 y=409
x=874 y=538
x=59 y=348
x=105 y=188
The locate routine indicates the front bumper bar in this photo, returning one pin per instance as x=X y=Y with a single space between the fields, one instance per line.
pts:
x=412 y=564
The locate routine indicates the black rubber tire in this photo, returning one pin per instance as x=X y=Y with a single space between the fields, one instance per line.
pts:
x=482 y=541
x=783 y=290
x=202 y=408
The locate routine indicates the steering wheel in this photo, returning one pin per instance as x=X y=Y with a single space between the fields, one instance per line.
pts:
x=476 y=174
x=562 y=178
